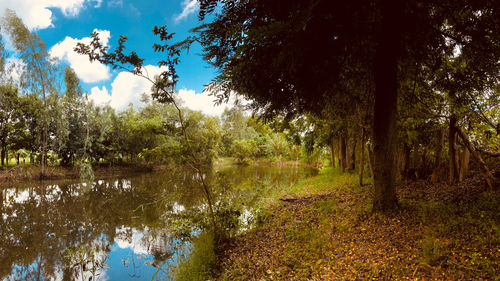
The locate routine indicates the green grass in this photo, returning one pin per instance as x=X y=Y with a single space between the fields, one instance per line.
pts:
x=328 y=179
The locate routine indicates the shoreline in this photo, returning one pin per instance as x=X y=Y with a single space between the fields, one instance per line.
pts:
x=31 y=174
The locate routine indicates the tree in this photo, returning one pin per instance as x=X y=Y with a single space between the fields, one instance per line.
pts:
x=293 y=57
x=39 y=75
x=71 y=130
x=9 y=104
x=163 y=87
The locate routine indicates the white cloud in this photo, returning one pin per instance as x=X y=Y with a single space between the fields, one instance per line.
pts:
x=126 y=88
x=203 y=102
x=89 y=72
x=188 y=7
x=36 y=14
x=100 y=97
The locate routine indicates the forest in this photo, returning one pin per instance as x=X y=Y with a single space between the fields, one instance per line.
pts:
x=397 y=104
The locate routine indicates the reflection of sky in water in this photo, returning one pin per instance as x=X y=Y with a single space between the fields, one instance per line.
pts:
x=128 y=259
x=38 y=224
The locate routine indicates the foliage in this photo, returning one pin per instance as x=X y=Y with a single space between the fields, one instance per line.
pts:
x=86 y=172
x=243 y=150
x=200 y=262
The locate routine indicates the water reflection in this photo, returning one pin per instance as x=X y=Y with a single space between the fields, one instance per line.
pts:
x=115 y=229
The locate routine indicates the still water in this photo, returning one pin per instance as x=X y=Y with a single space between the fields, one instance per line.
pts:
x=119 y=228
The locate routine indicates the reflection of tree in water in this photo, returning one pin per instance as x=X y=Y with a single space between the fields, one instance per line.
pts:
x=39 y=225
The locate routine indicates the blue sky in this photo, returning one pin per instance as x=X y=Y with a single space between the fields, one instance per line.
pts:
x=63 y=23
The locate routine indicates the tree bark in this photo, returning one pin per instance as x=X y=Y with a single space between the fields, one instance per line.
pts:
x=406 y=159
x=439 y=156
x=370 y=160
x=464 y=164
x=332 y=152
x=385 y=111
x=2 y=154
x=343 y=154
x=453 y=149
x=353 y=155
x=423 y=165
x=339 y=160
x=484 y=169
x=361 y=156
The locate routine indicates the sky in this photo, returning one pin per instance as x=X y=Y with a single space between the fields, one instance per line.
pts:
x=64 y=23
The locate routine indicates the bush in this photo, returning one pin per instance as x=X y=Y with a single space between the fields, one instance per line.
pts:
x=242 y=150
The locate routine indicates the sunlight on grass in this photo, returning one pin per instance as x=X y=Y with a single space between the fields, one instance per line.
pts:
x=327 y=180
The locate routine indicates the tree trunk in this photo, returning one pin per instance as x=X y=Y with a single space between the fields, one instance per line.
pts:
x=332 y=152
x=2 y=154
x=405 y=166
x=439 y=155
x=343 y=154
x=423 y=165
x=464 y=164
x=361 y=156
x=453 y=150
x=370 y=160
x=484 y=169
x=353 y=155
x=385 y=111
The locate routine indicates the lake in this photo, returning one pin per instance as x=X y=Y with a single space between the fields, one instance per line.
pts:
x=126 y=228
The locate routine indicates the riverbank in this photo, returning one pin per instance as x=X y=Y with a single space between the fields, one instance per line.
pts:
x=32 y=173
x=227 y=161
x=322 y=228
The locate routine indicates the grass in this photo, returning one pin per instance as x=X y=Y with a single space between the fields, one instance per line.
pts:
x=327 y=180
x=326 y=231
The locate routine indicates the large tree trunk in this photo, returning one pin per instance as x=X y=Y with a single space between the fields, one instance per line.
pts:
x=385 y=111
x=453 y=150
x=361 y=156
